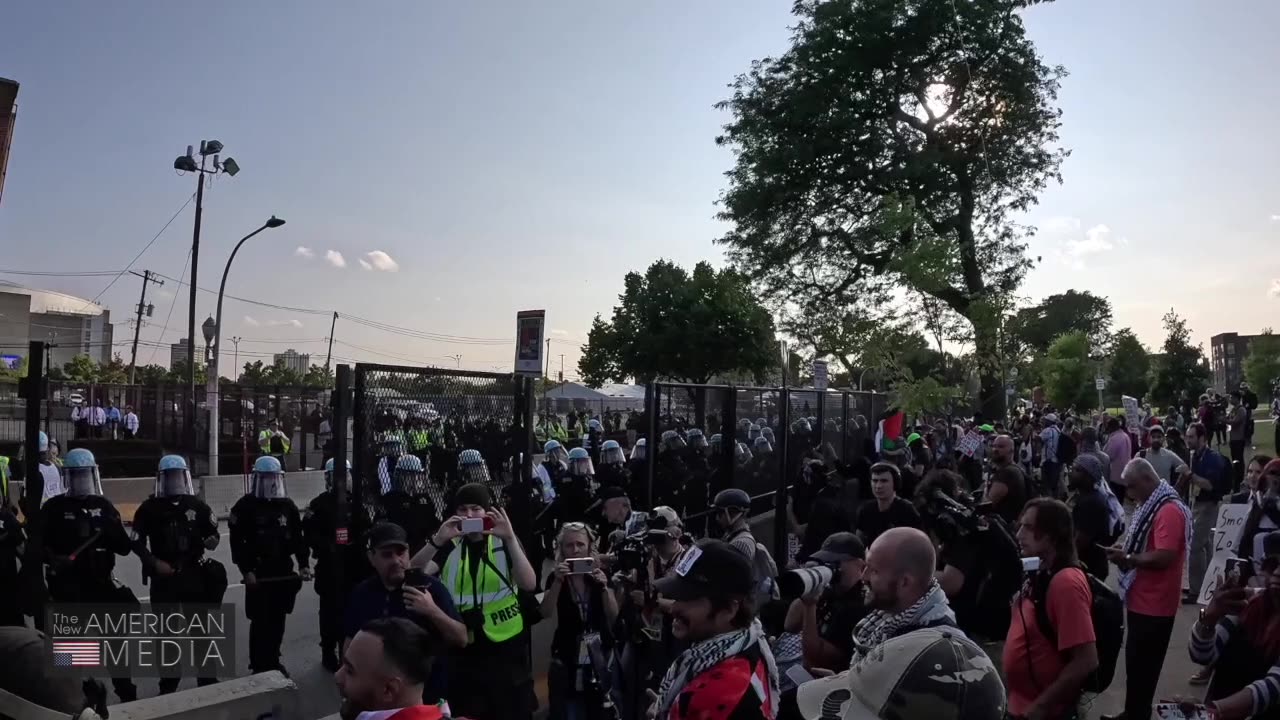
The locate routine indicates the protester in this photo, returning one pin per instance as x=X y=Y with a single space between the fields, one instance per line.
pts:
x=585 y=612
x=393 y=592
x=825 y=619
x=1251 y=492
x=1096 y=513
x=925 y=673
x=1264 y=516
x=1120 y=449
x=886 y=510
x=1051 y=449
x=384 y=669
x=729 y=670
x=1165 y=461
x=1150 y=563
x=1007 y=488
x=731 y=508
x=1205 y=482
x=1045 y=677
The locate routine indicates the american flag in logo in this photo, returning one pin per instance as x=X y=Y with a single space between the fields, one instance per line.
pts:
x=77 y=654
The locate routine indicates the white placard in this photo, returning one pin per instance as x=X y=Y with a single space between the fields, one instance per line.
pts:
x=1100 y=383
x=820 y=374
x=1217 y=571
x=686 y=561
x=529 y=332
x=1131 y=412
x=970 y=443
x=1226 y=534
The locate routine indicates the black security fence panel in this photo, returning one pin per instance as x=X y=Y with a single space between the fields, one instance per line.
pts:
x=436 y=414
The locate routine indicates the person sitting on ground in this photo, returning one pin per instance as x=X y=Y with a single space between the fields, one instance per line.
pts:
x=384 y=669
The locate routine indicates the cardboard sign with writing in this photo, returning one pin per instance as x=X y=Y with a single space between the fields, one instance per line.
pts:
x=1226 y=534
x=970 y=443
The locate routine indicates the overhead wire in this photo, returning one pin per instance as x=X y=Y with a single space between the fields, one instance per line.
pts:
x=172 y=305
x=141 y=252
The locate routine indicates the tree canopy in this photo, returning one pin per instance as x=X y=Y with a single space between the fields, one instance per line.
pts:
x=670 y=323
x=1181 y=372
x=1035 y=328
x=891 y=145
x=1262 y=364
x=1129 y=367
x=1068 y=372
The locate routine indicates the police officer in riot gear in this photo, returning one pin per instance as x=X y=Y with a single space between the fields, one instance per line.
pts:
x=612 y=470
x=672 y=473
x=83 y=533
x=408 y=504
x=577 y=490
x=12 y=544
x=555 y=460
x=392 y=449
x=179 y=528
x=320 y=526
x=638 y=466
x=266 y=534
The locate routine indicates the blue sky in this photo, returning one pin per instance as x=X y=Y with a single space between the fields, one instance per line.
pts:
x=524 y=155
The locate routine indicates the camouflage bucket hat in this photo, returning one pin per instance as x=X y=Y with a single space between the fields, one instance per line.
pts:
x=935 y=673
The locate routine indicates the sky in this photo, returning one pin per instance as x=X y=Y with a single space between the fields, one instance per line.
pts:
x=441 y=166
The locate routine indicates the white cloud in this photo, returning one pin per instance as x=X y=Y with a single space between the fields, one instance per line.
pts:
x=285 y=323
x=334 y=258
x=365 y=264
x=1073 y=244
x=304 y=252
x=251 y=321
x=1275 y=288
x=554 y=331
x=382 y=261
x=1060 y=226
x=1097 y=239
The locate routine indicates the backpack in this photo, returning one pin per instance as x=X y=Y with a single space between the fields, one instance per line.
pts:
x=1066 y=449
x=1003 y=563
x=1107 y=613
x=763 y=569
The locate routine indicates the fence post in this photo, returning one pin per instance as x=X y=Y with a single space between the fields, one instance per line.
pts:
x=341 y=411
x=780 y=496
x=729 y=439
x=360 y=438
x=844 y=426
x=32 y=576
x=653 y=403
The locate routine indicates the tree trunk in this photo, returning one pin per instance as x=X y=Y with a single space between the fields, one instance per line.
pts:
x=991 y=397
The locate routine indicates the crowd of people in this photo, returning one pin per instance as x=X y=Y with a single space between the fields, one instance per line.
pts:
x=953 y=568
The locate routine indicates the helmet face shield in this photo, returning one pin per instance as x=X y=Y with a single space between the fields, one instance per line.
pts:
x=82 y=481
x=413 y=482
x=640 y=451
x=581 y=466
x=174 y=482
x=559 y=454
x=269 y=485
x=612 y=456
x=475 y=473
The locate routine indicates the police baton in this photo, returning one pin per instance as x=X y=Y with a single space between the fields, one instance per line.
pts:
x=85 y=546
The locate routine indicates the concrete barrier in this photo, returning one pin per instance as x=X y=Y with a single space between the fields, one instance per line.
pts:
x=266 y=695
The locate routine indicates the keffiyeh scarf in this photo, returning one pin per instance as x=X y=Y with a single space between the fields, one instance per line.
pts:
x=1143 y=520
x=707 y=654
x=881 y=625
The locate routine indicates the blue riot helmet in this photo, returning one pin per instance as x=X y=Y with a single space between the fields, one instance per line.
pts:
x=410 y=476
x=767 y=433
x=697 y=440
x=268 y=478
x=80 y=474
x=472 y=467
x=801 y=427
x=762 y=424
x=42 y=443
x=753 y=432
x=580 y=463
x=328 y=474
x=742 y=454
x=762 y=446
x=594 y=425
x=173 y=478
x=671 y=440
x=555 y=452
x=611 y=453
x=715 y=442
x=641 y=450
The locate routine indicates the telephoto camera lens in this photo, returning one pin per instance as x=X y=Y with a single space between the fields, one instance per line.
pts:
x=805 y=581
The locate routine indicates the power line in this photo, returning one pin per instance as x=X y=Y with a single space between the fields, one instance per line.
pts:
x=144 y=249
x=172 y=305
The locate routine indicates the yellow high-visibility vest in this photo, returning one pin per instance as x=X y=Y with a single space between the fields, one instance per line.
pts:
x=491 y=592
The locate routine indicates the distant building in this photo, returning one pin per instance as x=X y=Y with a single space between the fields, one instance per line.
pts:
x=73 y=325
x=8 y=118
x=1229 y=351
x=294 y=360
x=178 y=354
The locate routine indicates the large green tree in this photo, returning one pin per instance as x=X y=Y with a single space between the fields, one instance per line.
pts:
x=1035 y=328
x=893 y=144
x=1181 y=371
x=1129 y=367
x=1068 y=372
x=1262 y=364
x=671 y=323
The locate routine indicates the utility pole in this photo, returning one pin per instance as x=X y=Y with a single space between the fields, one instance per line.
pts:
x=547 y=374
x=236 y=358
x=147 y=279
x=329 y=357
x=561 y=367
x=457 y=358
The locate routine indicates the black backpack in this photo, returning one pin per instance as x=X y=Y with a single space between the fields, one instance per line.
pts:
x=1002 y=561
x=1107 y=613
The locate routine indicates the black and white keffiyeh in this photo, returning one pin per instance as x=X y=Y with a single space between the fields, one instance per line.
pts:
x=1143 y=520
x=707 y=654
x=881 y=625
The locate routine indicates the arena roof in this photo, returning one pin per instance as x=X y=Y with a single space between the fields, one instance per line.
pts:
x=51 y=301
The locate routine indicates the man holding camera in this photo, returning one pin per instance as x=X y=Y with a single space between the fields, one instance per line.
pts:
x=397 y=591
x=486 y=572
x=831 y=603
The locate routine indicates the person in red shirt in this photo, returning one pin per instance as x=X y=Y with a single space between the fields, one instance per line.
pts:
x=1150 y=563
x=1044 y=679
x=383 y=670
x=728 y=672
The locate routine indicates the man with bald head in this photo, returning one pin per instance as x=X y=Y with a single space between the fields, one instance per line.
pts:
x=904 y=595
x=1007 y=487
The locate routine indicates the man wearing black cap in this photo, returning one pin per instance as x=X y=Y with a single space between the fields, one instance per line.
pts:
x=826 y=617
x=395 y=591
x=485 y=571
x=728 y=670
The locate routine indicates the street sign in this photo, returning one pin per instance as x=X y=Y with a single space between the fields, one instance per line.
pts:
x=529 y=332
x=820 y=374
x=1100 y=383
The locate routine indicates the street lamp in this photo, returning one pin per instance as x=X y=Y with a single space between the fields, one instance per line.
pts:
x=187 y=163
x=213 y=332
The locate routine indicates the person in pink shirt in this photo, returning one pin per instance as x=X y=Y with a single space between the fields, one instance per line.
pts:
x=1120 y=450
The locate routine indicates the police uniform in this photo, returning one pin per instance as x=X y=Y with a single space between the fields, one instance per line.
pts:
x=416 y=514
x=320 y=525
x=82 y=536
x=178 y=529
x=12 y=537
x=266 y=535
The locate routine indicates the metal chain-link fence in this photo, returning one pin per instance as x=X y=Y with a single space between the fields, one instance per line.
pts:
x=435 y=414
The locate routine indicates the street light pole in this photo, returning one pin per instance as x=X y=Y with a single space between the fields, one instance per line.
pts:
x=213 y=378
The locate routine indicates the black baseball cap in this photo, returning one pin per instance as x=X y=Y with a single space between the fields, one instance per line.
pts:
x=384 y=534
x=712 y=567
x=839 y=547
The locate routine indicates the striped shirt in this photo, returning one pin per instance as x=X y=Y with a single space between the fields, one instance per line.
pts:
x=1265 y=691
